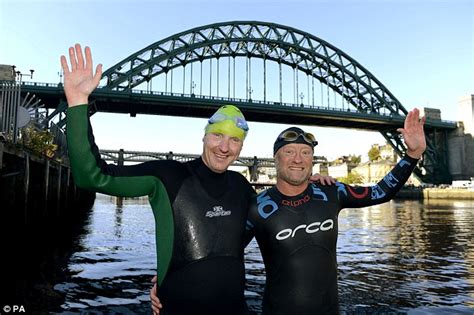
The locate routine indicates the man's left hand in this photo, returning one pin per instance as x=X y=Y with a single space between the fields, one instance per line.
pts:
x=155 y=301
x=323 y=180
x=413 y=134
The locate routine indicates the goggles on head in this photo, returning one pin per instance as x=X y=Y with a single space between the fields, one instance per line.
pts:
x=291 y=135
x=238 y=121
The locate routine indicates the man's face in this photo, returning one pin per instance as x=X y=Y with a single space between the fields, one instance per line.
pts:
x=294 y=163
x=220 y=150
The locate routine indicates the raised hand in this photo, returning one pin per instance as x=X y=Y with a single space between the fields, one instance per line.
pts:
x=413 y=134
x=79 y=81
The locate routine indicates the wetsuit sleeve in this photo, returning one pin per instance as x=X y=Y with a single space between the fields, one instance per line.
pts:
x=251 y=220
x=383 y=191
x=249 y=234
x=91 y=172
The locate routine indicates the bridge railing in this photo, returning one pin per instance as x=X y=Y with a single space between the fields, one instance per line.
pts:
x=42 y=84
x=11 y=102
x=253 y=101
x=236 y=100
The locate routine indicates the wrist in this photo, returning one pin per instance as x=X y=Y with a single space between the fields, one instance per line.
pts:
x=75 y=101
x=415 y=154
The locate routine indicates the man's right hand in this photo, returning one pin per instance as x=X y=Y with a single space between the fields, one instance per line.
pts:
x=155 y=301
x=79 y=81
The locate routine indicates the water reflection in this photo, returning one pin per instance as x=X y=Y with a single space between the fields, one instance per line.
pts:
x=406 y=255
x=403 y=256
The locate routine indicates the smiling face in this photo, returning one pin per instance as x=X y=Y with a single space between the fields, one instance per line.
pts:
x=220 y=150
x=294 y=164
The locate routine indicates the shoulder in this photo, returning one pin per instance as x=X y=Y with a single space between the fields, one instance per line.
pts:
x=264 y=204
x=169 y=165
x=328 y=191
x=237 y=176
x=239 y=179
x=166 y=170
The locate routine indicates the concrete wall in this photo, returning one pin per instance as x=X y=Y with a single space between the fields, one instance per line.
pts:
x=465 y=113
x=453 y=194
x=37 y=189
x=337 y=171
x=321 y=169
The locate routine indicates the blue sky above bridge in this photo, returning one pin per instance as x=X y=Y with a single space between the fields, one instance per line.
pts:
x=422 y=51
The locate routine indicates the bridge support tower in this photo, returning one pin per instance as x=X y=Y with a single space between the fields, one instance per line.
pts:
x=461 y=141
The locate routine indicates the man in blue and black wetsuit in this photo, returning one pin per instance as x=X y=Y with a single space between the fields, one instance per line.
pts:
x=295 y=223
x=200 y=207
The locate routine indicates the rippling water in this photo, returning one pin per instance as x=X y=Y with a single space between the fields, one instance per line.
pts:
x=403 y=256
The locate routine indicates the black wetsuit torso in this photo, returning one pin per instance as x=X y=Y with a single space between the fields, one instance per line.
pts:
x=200 y=221
x=297 y=237
x=206 y=272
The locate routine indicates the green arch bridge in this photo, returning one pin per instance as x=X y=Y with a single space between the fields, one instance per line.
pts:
x=274 y=73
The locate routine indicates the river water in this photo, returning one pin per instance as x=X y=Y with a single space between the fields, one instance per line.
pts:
x=413 y=257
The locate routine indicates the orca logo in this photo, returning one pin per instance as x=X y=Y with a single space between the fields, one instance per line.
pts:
x=310 y=229
x=266 y=206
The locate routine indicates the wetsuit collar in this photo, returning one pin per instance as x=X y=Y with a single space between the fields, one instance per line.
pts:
x=293 y=201
x=214 y=183
x=277 y=191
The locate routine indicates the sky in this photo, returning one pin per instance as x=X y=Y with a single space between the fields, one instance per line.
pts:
x=421 y=50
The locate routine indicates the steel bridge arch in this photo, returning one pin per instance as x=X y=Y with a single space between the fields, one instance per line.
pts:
x=284 y=45
x=253 y=39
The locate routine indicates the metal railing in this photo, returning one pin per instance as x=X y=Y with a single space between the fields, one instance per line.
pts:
x=9 y=104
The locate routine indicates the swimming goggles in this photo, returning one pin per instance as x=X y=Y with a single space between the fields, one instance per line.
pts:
x=238 y=121
x=291 y=135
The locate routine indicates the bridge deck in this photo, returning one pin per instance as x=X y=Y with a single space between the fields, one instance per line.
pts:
x=176 y=104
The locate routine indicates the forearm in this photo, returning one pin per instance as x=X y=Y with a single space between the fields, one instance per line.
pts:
x=395 y=179
x=384 y=190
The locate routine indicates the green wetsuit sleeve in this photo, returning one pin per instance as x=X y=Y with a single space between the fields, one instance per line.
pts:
x=87 y=174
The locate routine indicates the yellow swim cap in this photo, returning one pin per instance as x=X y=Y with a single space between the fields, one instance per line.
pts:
x=228 y=120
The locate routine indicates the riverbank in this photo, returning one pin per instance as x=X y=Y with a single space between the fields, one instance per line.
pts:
x=420 y=193
x=448 y=193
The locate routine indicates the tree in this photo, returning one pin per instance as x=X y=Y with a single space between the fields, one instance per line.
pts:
x=351 y=178
x=354 y=159
x=374 y=154
x=38 y=141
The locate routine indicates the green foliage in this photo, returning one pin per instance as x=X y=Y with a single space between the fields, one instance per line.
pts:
x=351 y=178
x=38 y=141
x=354 y=159
x=374 y=154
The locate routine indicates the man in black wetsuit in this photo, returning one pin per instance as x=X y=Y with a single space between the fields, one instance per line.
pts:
x=200 y=207
x=295 y=223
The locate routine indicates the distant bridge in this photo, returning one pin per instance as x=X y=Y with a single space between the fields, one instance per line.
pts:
x=120 y=157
